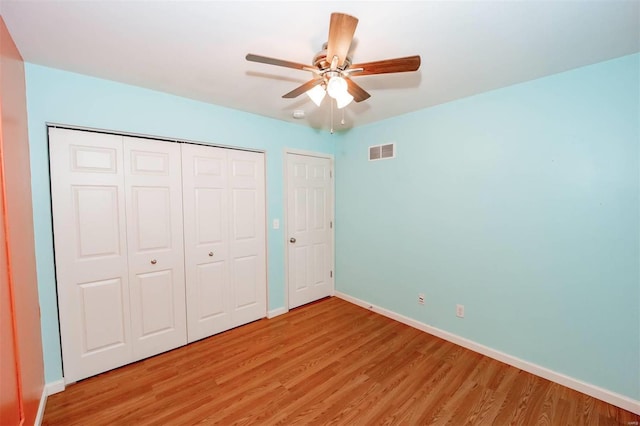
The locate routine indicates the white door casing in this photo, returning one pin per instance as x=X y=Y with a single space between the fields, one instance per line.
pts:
x=309 y=228
x=152 y=176
x=224 y=216
x=88 y=201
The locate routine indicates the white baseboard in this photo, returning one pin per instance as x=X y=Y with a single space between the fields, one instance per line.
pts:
x=48 y=389
x=41 y=407
x=54 y=387
x=275 y=312
x=595 y=391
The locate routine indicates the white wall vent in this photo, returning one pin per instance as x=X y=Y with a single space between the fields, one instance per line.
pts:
x=382 y=152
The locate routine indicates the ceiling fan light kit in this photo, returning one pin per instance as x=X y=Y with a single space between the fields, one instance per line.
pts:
x=343 y=99
x=336 y=86
x=333 y=69
x=316 y=94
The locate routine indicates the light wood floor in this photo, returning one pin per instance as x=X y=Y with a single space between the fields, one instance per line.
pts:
x=328 y=362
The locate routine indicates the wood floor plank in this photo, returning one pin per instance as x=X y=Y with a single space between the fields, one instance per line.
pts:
x=329 y=362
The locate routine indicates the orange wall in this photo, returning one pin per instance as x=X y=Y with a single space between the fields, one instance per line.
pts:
x=18 y=223
x=9 y=402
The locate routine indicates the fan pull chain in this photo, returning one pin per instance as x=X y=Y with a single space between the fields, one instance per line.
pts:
x=331 y=117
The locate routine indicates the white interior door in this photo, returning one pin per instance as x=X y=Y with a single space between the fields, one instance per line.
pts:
x=224 y=213
x=309 y=228
x=153 y=186
x=87 y=190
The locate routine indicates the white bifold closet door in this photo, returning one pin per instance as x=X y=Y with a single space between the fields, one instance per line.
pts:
x=152 y=176
x=88 y=200
x=156 y=244
x=224 y=216
x=117 y=209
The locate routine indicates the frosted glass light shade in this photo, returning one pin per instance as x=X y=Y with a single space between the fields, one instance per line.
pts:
x=336 y=87
x=316 y=94
x=344 y=99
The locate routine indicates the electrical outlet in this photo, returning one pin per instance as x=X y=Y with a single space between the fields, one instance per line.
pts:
x=421 y=299
x=460 y=311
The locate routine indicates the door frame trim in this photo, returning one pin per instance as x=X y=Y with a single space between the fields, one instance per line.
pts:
x=285 y=198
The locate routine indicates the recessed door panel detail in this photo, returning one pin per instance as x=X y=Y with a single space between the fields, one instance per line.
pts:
x=244 y=281
x=102 y=315
x=319 y=172
x=97 y=220
x=301 y=268
x=152 y=211
x=244 y=213
x=300 y=209
x=299 y=170
x=210 y=214
x=243 y=168
x=208 y=166
x=93 y=159
x=320 y=263
x=318 y=208
x=212 y=290
x=156 y=302
x=149 y=163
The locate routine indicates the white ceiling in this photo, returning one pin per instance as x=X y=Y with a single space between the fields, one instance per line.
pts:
x=196 y=49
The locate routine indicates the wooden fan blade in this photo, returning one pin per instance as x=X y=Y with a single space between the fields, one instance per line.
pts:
x=410 y=63
x=300 y=90
x=358 y=93
x=341 y=30
x=272 y=61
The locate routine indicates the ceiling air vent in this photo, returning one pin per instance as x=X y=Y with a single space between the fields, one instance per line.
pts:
x=382 y=152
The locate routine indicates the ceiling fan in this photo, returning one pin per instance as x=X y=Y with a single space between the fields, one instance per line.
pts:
x=333 y=68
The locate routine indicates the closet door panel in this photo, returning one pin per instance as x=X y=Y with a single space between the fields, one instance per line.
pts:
x=155 y=245
x=247 y=241
x=209 y=293
x=102 y=314
x=155 y=296
x=87 y=191
x=212 y=290
x=245 y=270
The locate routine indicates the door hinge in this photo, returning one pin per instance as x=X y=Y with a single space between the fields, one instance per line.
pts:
x=330 y=173
x=330 y=274
x=331 y=224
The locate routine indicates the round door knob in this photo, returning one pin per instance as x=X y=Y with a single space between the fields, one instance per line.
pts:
x=211 y=253
x=153 y=262
x=292 y=240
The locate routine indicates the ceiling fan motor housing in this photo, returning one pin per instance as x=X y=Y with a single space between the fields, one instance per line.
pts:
x=320 y=60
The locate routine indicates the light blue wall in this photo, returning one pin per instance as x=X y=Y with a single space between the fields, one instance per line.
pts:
x=61 y=97
x=523 y=205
